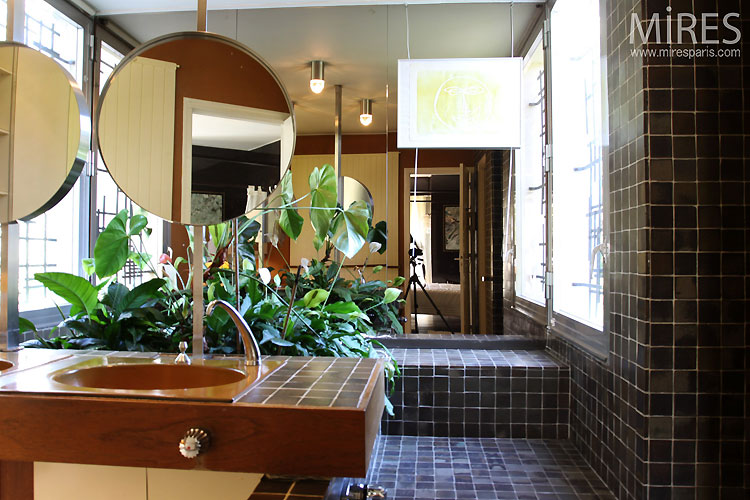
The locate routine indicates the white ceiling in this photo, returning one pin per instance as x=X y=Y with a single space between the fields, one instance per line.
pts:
x=361 y=45
x=233 y=133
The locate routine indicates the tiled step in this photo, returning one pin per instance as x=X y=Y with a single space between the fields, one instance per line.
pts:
x=479 y=393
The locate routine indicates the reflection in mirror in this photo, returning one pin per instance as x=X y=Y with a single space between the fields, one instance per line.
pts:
x=195 y=128
x=44 y=132
x=356 y=191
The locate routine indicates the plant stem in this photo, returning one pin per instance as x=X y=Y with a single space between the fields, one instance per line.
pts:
x=289 y=311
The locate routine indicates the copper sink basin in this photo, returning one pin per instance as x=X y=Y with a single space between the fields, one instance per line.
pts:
x=4 y=365
x=150 y=377
x=221 y=379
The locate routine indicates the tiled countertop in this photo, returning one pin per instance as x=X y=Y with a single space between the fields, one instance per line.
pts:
x=303 y=381
x=299 y=382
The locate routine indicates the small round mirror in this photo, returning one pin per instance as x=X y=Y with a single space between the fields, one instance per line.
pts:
x=195 y=128
x=45 y=130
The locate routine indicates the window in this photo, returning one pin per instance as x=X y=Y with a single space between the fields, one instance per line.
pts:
x=51 y=242
x=530 y=220
x=561 y=214
x=577 y=205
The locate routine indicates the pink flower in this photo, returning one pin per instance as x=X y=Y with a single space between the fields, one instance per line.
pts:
x=165 y=259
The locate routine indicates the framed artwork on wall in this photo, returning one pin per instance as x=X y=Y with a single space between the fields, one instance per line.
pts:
x=451 y=228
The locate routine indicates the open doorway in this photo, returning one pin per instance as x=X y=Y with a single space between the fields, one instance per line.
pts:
x=434 y=245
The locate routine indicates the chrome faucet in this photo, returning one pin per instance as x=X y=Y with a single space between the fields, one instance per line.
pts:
x=252 y=351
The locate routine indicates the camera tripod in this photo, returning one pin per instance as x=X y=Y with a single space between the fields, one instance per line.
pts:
x=416 y=259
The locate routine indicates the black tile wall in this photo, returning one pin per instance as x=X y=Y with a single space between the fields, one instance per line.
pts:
x=668 y=414
x=479 y=393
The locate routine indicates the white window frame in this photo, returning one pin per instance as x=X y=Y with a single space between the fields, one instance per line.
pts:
x=592 y=340
x=595 y=342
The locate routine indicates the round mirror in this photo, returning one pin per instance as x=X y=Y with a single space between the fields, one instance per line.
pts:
x=195 y=128
x=45 y=131
x=356 y=191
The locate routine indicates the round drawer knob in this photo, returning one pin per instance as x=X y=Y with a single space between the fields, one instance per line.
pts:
x=193 y=443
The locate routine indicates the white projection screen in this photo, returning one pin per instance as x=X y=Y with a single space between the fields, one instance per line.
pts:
x=459 y=103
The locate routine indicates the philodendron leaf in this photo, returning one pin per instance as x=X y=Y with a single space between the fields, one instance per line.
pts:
x=115 y=293
x=287 y=189
x=379 y=234
x=111 y=249
x=323 y=195
x=142 y=294
x=314 y=298
x=352 y=231
x=138 y=222
x=291 y=222
x=391 y=294
x=78 y=292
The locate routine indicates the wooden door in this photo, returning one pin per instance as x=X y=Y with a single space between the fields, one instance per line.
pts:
x=484 y=247
x=467 y=253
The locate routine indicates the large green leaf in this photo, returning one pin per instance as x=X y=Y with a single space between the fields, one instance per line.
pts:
x=291 y=222
x=115 y=293
x=111 y=250
x=314 y=298
x=78 y=292
x=287 y=189
x=351 y=233
x=138 y=223
x=391 y=294
x=141 y=294
x=323 y=195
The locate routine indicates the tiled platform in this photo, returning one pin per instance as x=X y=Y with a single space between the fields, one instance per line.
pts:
x=427 y=468
x=479 y=393
x=519 y=358
x=461 y=341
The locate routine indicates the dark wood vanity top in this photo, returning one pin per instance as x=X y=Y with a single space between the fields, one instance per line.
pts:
x=312 y=416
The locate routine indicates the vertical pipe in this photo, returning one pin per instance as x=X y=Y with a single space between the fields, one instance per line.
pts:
x=337 y=144
x=197 y=290
x=236 y=267
x=9 y=335
x=202 y=14
x=337 y=155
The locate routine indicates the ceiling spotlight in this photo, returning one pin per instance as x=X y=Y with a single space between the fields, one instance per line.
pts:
x=317 y=80
x=365 y=115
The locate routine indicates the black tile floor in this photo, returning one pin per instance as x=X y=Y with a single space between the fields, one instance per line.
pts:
x=439 y=468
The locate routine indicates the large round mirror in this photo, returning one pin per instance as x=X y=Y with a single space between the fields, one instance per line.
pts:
x=195 y=128
x=45 y=131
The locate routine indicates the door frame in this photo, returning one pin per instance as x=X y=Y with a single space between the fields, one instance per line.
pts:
x=406 y=227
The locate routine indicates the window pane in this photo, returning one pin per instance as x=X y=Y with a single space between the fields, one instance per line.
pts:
x=51 y=32
x=577 y=160
x=50 y=242
x=530 y=196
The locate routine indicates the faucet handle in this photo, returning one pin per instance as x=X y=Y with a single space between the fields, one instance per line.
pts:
x=182 y=358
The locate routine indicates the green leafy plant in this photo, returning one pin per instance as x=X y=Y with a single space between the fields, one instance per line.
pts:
x=109 y=315
x=310 y=313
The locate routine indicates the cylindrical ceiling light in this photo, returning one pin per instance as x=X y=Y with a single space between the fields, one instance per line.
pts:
x=317 y=78
x=365 y=114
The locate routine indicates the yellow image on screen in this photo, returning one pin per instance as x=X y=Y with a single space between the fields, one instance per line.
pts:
x=450 y=101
